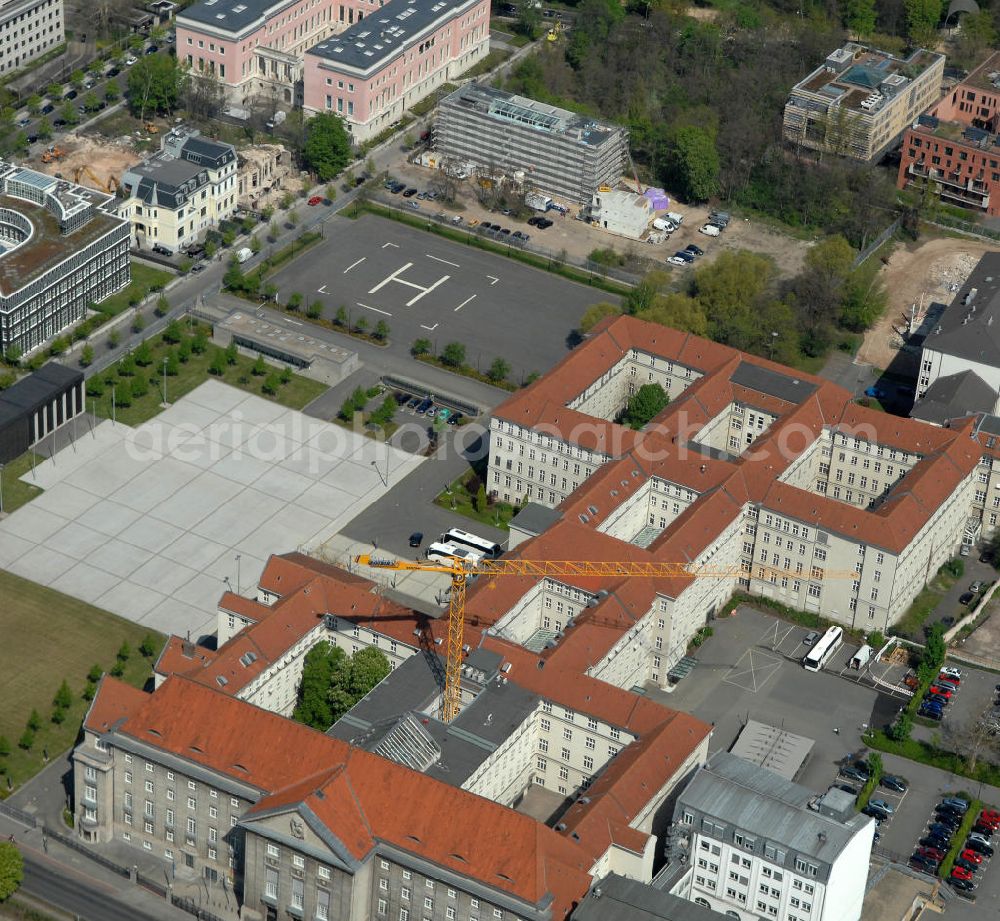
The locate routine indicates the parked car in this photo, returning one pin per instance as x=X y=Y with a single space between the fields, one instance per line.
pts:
x=685 y=255
x=198 y=267
x=948 y=820
x=415 y=205
x=936 y=842
x=161 y=249
x=23 y=122
x=847 y=788
x=893 y=782
x=416 y=538
x=948 y=680
x=881 y=804
x=976 y=587
x=315 y=200
x=113 y=72
x=876 y=813
x=932 y=852
x=982 y=833
x=951 y=670
x=129 y=61
x=48 y=108
x=694 y=250
x=409 y=193
x=424 y=405
x=948 y=807
x=924 y=864
x=966 y=598
x=810 y=638
x=956 y=801
x=935 y=715
x=722 y=218
x=971 y=856
x=979 y=847
x=455 y=418
x=72 y=94
x=962 y=885
x=965 y=865
x=851 y=772
x=676 y=260
x=711 y=230
x=152 y=49
x=961 y=873
x=943 y=831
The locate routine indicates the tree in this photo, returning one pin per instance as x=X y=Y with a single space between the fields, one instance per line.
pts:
x=529 y=21
x=255 y=245
x=218 y=364
x=499 y=370
x=44 y=130
x=315 y=310
x=690 y=163
x=90 y=102
x=972 y=738
x=184 y=351
x=173 y=364
x=232 y=353
x=204 y=96
x=114 y=339
x=76 y=79
x=295 y=301
x=595 y=313
x=64 y=696
x=21 y=142
x=313 y=706
x=86 y=356
x=644 y=404
x=154 y=85
x=381 y=331
x=4 y=747
x=143 y=355
x=95 y=673
x=361 y=325
x=341 y=318
x=271 y=384
x=420 y=347
x=976 y=35
x=138 y=323
x=68 y=113
x=453 y=355
x=13 y=355
x=11 y=870
x=34 y=721
x=327 y=148
x=259 y=368
x=173 y=333
x=34 y=104
x=27 y=740
x=123 y=393
x=140 y=386
x=54 y=91
x=162 y=307
x=922 y=18
x=111 y=93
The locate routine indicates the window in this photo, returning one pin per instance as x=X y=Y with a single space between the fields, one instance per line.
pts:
x=192 y=803
x=383 y=884
x=90 y=794
x=149 y=767
x=565 y=754
x=273 y=850
x=403 y=914
x=297 y=859
x=213 y=813
x=429 y=903
x=191 y=827
x=170 y=795
x=381 y=906
x=149 y=786
x=404 y=894
x=271 y=883
x=128 y=777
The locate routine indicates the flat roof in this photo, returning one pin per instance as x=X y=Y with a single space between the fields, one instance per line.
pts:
x=384 y=32
x=298 y=345
x=772 y=748
x=231 y=15
x=773 y=383
x=615 y=898
x=534 y=518
x=969 y=327
x=40 y=387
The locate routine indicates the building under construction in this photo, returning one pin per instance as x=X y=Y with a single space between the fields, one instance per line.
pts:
x=555 y=151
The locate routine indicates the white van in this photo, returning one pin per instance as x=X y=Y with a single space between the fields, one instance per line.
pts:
x=243 y=254
x=711 y=230
x=664 y=225
x=675 y=218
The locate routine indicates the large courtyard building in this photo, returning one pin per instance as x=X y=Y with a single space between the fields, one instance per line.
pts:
x=776 y=476
x=754 y=845
x=182 y=190
x=28 y=29
x=367 y=63
x=859 y=101
x=954 y=147
x=401 y=53
x=548 y=149
x=393 y=810
x=62 y=247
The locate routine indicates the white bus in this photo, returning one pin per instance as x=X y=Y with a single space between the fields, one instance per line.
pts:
x=444 y=552
x=486 y=547
x=823 y=651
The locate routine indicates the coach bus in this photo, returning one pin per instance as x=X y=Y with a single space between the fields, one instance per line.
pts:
x=445 y=552
x=463 y=538
x=823 y=651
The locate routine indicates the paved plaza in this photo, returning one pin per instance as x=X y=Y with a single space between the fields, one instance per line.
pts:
x=148 y=522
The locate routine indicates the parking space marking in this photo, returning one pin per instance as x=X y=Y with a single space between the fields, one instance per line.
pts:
x=430 y=329
x=376 y=309
x=321 y=290
x=752 y=671
x=353 y=264
x=466 y=301
x=493 y=280
x=445 y=261
x=396 y=245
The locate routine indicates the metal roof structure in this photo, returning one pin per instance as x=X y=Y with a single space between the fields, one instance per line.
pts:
x=772 y=748
x=615 y=898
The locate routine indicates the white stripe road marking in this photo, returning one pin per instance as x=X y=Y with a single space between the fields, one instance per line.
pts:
x=353 y=264
x=416 y=297
x=376 y=309
x=392 y=277
x=296 y=322
x=429 y=329
x=495 y=280
x=321 y=290
x=396 y=245
x=466 y=301
x=445 y=261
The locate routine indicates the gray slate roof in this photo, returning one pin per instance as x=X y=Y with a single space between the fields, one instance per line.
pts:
x=383 y=32
x=615 y=898
x=229 y=15
x=969 y=328
x=40 y=387
x=953 y=397
x=535 y=518
x=773 y=383
x=743 y=796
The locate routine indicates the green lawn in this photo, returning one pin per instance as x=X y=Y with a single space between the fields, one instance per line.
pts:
x=48 y=637
x=295 y=394
x=457 y=498
x=144 y=278
x=912 y=622
x=16 y=493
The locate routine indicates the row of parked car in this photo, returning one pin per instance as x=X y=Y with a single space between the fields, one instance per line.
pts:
x=940 y=693
x=938 y=839
x=425 y=406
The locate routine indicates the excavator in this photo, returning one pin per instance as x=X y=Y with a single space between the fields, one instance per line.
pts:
x=110 y=186
x=52 y=154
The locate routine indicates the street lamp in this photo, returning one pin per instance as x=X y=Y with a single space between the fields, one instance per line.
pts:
x=164 y=380
x=774 y=341
x=1 y=489
x=238 y=583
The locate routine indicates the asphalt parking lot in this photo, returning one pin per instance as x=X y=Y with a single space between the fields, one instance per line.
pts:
x=974 y=698
x=426 y=287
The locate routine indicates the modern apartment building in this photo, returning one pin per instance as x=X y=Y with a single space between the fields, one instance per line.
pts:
x=859 y=101
x=367 y=62
x=777 y=475
x=755 y=846
x=399 y=54
x=954 y=147
x=557 y=152
x=349 y=824
x=62 y=247
x=185 y=188
x=28 y=29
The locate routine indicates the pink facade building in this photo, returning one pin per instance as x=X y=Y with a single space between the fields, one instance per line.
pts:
x=379 y=67
x=366 y=60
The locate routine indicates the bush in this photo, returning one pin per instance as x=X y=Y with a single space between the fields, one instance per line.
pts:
x=499 y=370
x=955 y=567
x=315 y=310
x=118 y=669
x=173 y=333
x=420 y=347
x=86 y=356
x=95 y=673
x=147 y=648
x=259 y=368
x=271 y=384
x=454 y=355
x=217 y=366
x=140 y=386
x=27 y=740
x=295 y=301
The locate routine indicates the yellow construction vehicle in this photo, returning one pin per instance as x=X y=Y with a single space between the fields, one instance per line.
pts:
x=151 y=128
x=52 y=154
x=110 y=186
x=556 y=30
x=461 y=571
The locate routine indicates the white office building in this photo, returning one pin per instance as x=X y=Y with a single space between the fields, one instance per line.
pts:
x=28 y=29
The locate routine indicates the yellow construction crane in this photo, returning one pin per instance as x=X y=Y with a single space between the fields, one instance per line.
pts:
x=460 y=571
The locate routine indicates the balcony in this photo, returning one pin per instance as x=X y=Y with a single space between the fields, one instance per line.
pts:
x=970 y=193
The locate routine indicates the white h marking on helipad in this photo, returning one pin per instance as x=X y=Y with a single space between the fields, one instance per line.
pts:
x=410 y=284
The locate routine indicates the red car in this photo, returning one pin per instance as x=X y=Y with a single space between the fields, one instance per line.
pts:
x=315 y=200
x=961 y=873
x=950 y=679
x=972 y=856
x=932 y=852
x=990 y=817
x=941 y=692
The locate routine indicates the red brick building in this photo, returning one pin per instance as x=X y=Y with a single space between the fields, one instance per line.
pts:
x=955 y=146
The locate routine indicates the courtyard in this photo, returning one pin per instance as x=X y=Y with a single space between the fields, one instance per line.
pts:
x=154 y=523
